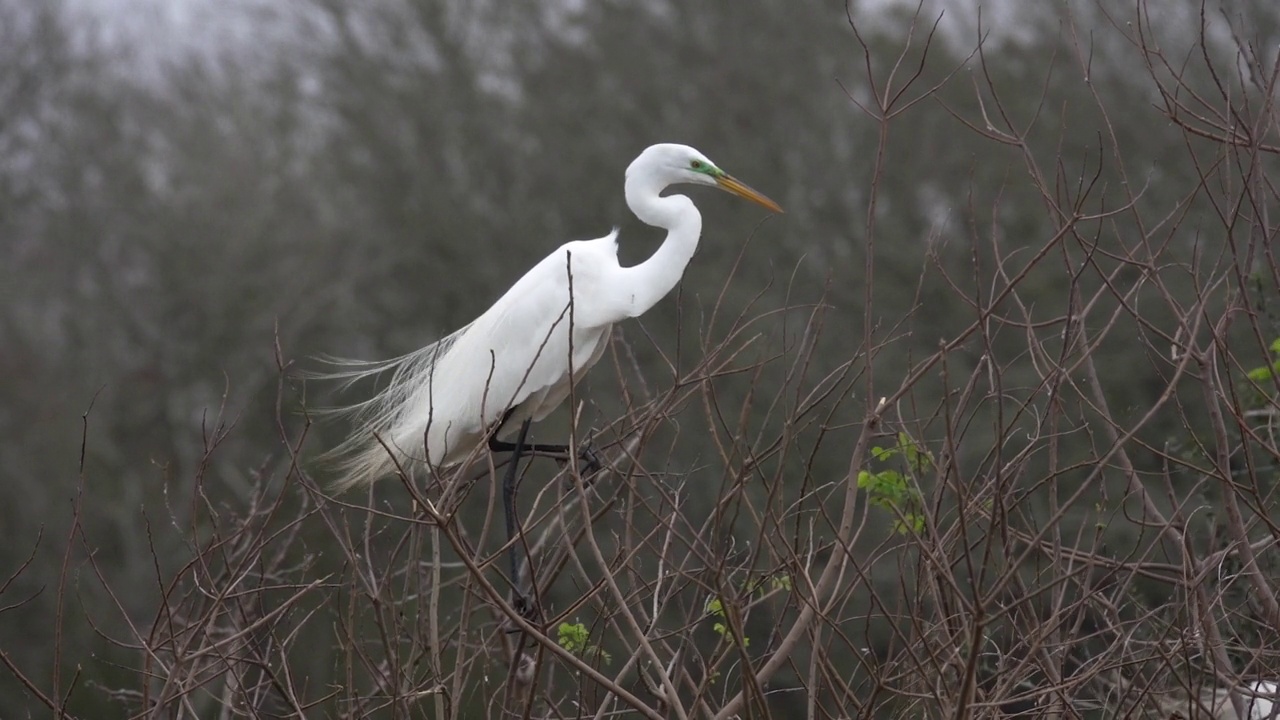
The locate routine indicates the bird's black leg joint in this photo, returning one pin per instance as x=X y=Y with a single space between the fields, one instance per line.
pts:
x=496 y=445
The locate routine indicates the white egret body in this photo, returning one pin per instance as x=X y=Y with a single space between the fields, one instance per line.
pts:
x=514 y=362
x=1259 y=699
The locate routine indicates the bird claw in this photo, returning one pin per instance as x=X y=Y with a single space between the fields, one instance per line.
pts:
x=525 y=608
x=589 y=460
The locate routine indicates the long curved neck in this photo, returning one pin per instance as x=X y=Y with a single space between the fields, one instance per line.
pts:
x=651 y=280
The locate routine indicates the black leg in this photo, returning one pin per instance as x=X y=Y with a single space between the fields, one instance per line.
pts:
x=587 y=453
x=519 y=600
x=509 y=499
x=520 y=446
x=496 y=445
x=590 y=464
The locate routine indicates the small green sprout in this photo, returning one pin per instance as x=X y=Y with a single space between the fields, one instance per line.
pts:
x=716 y=609
x=781 y=581
x=1264 y=373
x=895 y=490
x=575 y=638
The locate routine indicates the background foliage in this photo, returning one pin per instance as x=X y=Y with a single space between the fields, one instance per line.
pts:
x=1045 y=233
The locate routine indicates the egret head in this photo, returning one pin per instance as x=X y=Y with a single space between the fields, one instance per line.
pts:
x=669 y=163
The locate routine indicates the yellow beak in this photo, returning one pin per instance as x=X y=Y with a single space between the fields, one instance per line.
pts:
x=733 y=185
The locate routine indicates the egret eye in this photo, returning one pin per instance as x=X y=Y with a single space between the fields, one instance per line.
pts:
x=696 y=164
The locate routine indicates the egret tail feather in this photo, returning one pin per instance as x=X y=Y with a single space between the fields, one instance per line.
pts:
x=369 y=455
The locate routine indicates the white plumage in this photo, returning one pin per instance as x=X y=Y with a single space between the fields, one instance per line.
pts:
x=520 y=354
x=1259 y=698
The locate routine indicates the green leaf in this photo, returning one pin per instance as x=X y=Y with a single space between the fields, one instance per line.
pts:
x=919 y=459
x=573 y=637
x=723 y=631
x=715 y=607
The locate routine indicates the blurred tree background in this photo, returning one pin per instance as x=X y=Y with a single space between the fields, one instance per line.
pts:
x=361 y=178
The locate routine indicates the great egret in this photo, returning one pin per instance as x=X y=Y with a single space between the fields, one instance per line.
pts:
x=516 y=362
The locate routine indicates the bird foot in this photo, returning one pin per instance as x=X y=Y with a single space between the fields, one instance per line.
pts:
x=589 y=460
x=525 y=607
